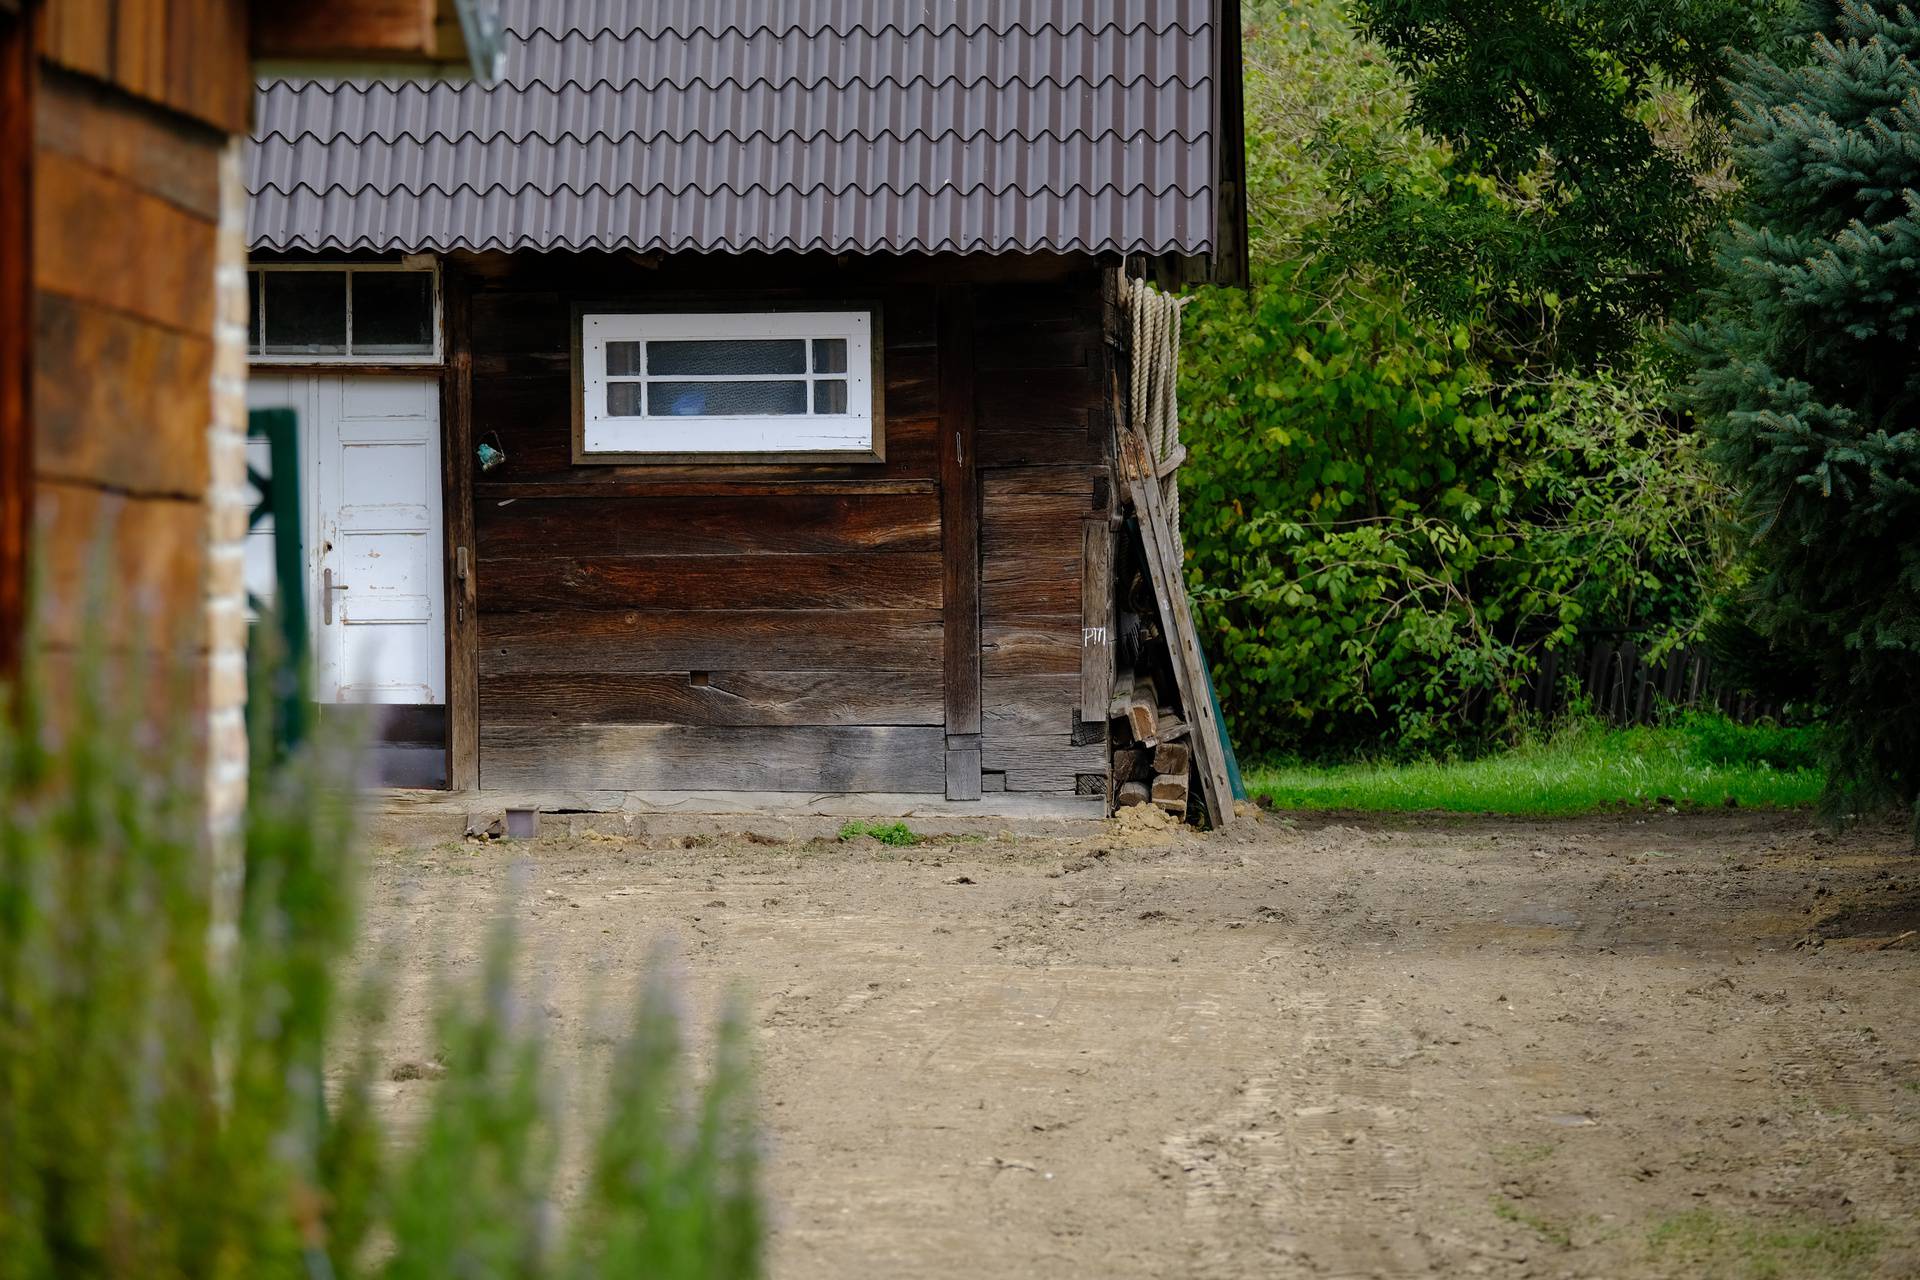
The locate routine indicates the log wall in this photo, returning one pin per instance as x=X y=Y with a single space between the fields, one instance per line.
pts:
x=126 y=221
x=788 y=627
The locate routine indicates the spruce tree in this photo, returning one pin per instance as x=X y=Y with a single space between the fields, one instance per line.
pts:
x=1809 y=381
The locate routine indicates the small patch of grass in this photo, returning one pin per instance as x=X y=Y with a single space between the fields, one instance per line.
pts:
x=1714 y=1246
x=1524 y=1153
x=1546 y=1228
x=1696 y=762
x=897 y=834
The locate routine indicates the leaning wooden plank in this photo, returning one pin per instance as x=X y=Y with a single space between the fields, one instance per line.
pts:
x=1169 y=587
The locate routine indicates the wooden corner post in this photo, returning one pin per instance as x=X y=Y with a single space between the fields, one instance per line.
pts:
x=17 y=72
x=456 y=462
x=960 y=542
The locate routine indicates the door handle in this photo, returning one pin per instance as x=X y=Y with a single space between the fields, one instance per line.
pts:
x=326 y=595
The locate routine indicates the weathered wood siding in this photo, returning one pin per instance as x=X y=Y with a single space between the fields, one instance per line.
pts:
x=1044 y=438
x=189 y=56
x=777 y=627
x=126 y=210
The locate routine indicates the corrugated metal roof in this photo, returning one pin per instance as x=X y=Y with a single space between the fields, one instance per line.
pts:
x=842 y=125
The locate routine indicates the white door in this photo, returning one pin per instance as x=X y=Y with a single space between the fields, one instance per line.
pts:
x=370 y=502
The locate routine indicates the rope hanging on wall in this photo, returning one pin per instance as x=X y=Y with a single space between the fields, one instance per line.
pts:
x=1155 y=402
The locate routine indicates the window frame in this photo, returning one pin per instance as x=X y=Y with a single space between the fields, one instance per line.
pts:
x=256 y=285
x=690 y=319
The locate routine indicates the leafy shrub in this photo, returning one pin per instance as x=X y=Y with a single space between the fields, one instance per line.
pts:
x=164 y=1109
x=1384 y=531
x=1381 y=542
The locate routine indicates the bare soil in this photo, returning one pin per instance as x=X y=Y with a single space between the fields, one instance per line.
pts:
x=1683 y=1045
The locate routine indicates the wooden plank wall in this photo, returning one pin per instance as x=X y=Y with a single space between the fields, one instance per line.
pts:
x=780 y=628
x=189 y=56
x=126 y=207
x=1044 y=469
x=769 y=628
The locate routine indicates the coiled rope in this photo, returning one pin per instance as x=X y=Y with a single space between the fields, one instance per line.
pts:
x=1155 y=399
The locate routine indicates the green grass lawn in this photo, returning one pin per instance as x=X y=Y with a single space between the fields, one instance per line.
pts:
x=1697 y=762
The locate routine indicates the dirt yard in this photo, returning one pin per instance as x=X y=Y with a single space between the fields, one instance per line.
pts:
x=1636 y=1046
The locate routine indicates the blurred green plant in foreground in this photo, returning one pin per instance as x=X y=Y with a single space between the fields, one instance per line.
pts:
x=165 y=1102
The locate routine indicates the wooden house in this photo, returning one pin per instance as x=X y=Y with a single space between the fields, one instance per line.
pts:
x=122 y=364
x=719 y=410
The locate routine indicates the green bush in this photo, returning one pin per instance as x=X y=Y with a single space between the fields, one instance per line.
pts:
x=165 y=1104
x=1381 y=542
x=1383 y=531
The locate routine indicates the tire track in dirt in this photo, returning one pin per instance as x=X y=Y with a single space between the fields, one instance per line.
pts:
x=1312 y=1170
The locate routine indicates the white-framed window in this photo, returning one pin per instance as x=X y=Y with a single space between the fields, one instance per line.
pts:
x=656 y=386
x=343 y=313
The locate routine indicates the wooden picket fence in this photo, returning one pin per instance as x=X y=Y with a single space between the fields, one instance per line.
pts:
x=1620 y=684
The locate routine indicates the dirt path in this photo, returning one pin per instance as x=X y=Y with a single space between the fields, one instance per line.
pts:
x=1671 y=1046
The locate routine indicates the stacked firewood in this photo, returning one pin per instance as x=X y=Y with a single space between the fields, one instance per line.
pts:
x=1153 y=754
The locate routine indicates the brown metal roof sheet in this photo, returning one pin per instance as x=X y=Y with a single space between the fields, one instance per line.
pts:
x=841 y=125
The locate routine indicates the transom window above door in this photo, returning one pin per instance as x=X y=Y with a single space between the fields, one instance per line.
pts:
x=661 y=386
x=363 y=313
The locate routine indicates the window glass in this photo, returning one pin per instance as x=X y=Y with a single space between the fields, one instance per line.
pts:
x=728 y=383
x=727 y=358
x=829 y=355
x=724 y=399
x=623 y=360
x=829 y=397
x=623 y=399
x=253 y=310
x=393 y=313
x=306 y=313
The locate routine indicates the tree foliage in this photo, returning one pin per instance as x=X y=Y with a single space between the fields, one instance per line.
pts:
x=1383 y=535
x=1809 y=379
x=1585 y=145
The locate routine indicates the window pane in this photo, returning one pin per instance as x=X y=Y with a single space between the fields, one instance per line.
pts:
x=830 y=397
x=307 y=313
x=393 y=313
x=724 y=399
x=623 y=399
x=623 y=359
x=253 y=310
x=829 y=355
x=725 y=357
